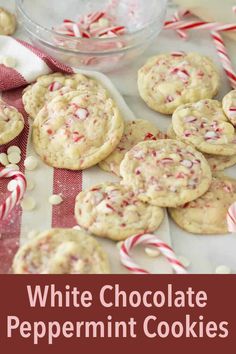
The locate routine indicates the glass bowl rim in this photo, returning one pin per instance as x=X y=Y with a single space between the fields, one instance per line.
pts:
x=160 y=15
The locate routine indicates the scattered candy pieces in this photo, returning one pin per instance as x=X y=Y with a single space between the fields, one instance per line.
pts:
x=28 y=204
x=152 y=253
x=96 y=24
x=14 y=157
x=3 y=159
x=31 y=163
x=185 y=261
x=223 y=269
x=55 y=199
x=13 y=148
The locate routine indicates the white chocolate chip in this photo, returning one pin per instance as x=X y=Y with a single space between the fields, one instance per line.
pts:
x=14 y=148
x=12 y=185
x=14 y=157
x=28 y=204
x=30 y=184
x=119 y=245
x=31 y=163
x=9 y=62
x=223 y=269
x=13 y=167
x=32 y=234
x=77 y=227
x=3 y=159
x=152 y=252
x=55 y=199
x=185 y=261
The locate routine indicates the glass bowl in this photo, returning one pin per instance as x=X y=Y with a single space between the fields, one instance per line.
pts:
x=143 y=21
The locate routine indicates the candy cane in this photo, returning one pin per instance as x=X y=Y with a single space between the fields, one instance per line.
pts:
x=188 y=25
x=224 y=58
x=153 y=241
x=16 y=195
x=219 y=44
x=231 y=218
x=177 y=17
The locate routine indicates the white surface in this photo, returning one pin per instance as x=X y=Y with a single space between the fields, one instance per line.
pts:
x=204 y=252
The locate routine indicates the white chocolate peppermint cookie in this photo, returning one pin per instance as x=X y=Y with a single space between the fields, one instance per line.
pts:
x=166 y=173
x=207 y=215
x=7 y=22
x=135 y=132
x=168 y=80
x=229 y=106
x=204 y=125
x=216 y=162
x=61 y=251
x=76 y=131
x=113 y=211
x=11 y=123
x=220 y=163
x=49 y=86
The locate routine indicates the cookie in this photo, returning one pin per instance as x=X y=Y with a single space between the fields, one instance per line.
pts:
x=135 y=132
x=167 y=81
x=165 y=172
x=113 y=211
x=216 y=162
x=11 y=123
x=49 y=86
x=229 y=106
x=61 y=251
x=7 y=22
x=76 y=131
x=207 y=215
x=204 y=125
x=220 y=163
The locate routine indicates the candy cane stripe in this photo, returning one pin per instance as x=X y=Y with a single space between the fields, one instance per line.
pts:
x=150 y=240
x=16 y=196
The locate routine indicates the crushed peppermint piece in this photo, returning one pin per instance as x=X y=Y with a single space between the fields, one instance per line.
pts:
x=82 y=113
x=54 y=86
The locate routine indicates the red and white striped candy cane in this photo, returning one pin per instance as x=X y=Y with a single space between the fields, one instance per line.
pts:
x=196 y=25
x=18 y=193
x=149 y=240
x=217 y=38
x=177 y=17
x=231 y=218
x=224 y=58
